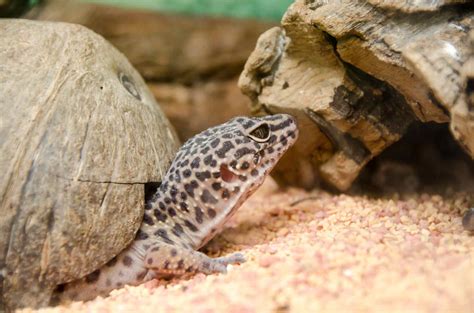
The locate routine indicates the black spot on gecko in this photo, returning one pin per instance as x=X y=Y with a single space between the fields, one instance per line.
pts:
x=226 y=146
x=207 y=160
x=283 y=124
x=206 y=197
x=195 y=162
x=247 y=124
x=216 y=186
x=225 y=194
x=173 y=191
x=215 y=143
x=162 y=206
x=183 y=195
x=161 y=217
x=211 y=213
x=127 y=261
x=245 y=165
x=272 y=139
x=254 y=172
x=177 y=230
x=163 y=235
x=199 y=215
x=187 y=173
x=171 y=212
x=183 y=206
x=191 y=226
x=189 y=189
x=173 y=252
x=180 y=264
x=243 y=151
x=205 y=150
x=203 y=175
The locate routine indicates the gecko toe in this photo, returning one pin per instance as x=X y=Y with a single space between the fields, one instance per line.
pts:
x=232 y=259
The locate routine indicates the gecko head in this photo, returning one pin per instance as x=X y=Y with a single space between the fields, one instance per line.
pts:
x=256 y=144
x=223 y=165
x=216 y=170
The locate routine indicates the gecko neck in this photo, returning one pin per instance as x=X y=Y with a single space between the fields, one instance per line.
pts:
x=198 y=221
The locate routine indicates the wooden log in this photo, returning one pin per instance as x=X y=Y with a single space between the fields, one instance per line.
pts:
x=360 y=73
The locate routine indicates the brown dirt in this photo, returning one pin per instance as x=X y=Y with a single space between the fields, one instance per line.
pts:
x=330 y=253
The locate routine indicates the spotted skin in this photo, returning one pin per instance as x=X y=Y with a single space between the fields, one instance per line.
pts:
x=212 y=175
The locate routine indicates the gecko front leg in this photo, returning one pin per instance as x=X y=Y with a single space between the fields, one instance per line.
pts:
x=167 y=260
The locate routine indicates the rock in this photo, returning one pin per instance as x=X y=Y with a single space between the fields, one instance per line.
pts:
x=357 y=74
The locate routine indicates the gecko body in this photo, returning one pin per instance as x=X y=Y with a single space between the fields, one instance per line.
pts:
x=212 y=174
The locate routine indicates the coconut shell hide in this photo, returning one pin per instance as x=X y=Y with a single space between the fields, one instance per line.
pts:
x=80 y=135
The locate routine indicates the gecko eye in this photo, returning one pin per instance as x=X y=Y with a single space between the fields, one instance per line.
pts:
x=261 y=133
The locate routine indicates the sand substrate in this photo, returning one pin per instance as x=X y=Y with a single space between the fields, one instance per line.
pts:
x=328 y=253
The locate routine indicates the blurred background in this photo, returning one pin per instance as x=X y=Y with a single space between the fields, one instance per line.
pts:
x=258 y=9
